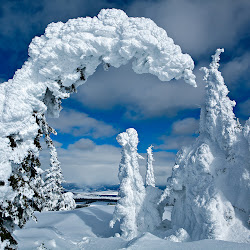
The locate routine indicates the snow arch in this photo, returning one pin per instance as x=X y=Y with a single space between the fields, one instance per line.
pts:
x=64 y=57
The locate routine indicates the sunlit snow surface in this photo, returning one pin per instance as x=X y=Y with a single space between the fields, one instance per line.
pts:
x=88 y=228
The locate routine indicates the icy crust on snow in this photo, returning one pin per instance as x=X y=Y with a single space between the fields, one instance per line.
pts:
x=210 y=183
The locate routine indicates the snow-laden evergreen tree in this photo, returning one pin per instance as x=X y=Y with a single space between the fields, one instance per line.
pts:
x=132 y=190
x=151 y=208
x=150 y=177
x=23 y=195
x=53 y=178
x=210 y=181
x=137 y=210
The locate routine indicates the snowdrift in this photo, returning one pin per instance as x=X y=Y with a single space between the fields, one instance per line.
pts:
x=88 y=228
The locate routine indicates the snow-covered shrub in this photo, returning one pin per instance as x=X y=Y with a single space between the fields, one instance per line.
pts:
x=180 y=235
x=68 y=202
x=59 y=61
x=210 y=181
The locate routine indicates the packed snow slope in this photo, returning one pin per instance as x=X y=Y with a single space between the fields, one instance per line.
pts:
x=210 y=183
x=88 y=229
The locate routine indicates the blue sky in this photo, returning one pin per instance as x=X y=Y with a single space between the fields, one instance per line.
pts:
x=164 y=114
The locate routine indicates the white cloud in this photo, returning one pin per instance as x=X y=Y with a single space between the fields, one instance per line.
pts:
x=182 y=134
x=83 y=144
x=175 y=142
x=86 y=163
x=143 y=96
x=237 y=69
x=80 y=124
x=186 y=126
x=197 y=26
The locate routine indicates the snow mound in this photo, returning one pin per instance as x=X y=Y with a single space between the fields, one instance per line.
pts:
x=87 y=228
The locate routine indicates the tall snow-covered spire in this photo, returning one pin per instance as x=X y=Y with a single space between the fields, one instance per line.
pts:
x=150 y=178
x=210 y=181
x=132 y=190
x=217 y=116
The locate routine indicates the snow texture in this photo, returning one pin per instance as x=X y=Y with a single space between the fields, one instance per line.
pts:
x=210 y=184
x=87 y=228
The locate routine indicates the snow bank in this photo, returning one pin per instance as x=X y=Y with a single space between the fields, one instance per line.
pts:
x=87 y=228
x=210 y=183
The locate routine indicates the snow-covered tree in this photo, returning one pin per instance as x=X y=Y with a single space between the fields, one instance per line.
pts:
x=53 y=177
x=132 y=190
x=210 y=181
x=137 y=210
x=152 y=210
x=150 y=177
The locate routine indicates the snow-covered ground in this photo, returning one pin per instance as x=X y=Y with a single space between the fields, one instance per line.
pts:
x=88 y=228
x=97 y=194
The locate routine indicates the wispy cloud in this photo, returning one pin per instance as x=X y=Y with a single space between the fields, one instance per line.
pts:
x=186 y=126
x=84 y=162
x=81 y=124
x=183 y=133
x=142 y=96
x=199 y=27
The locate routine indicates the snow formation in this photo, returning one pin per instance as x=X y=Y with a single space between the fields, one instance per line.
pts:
x=210 y=183
x=137 y=209
x=61 y=60
x=152 y=210
x=150 y=177
x=132 y=190
x=87 y=228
